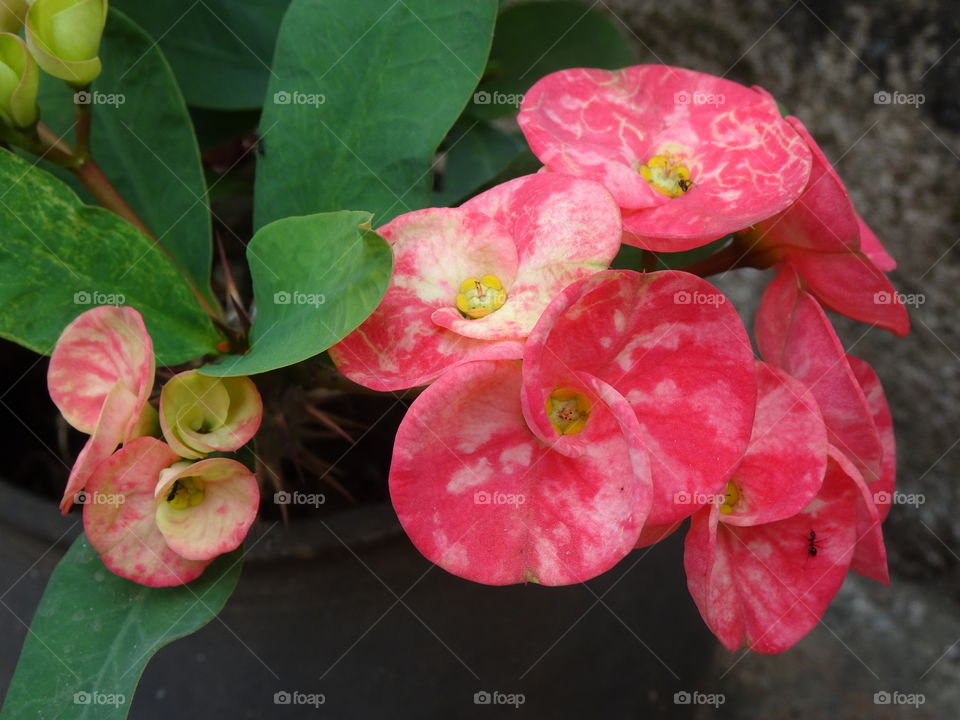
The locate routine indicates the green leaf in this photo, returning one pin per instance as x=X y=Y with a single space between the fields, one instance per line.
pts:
x=219 y=49
x=362 y=94
x=59 y=257
x=315 y=279
x=143 y=142
x=477 y=154
x=538 y=38
x=94 y=632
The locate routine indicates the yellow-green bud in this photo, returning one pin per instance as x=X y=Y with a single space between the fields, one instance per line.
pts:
x=12 y=13
x=19 y=80
x=64 y=37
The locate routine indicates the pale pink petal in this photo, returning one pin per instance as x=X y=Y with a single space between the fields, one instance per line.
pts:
x=783 y=467
x=479 y=495
x=794 y=333
x=117 y=408
x=435 y=250
x=100 y=347
x=848 y=283
x=673 y=346
x=221 y=521
x=761 y=586
x=119 y=517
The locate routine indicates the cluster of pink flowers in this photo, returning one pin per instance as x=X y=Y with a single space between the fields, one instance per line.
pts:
x=154 y=516
x=573 y=412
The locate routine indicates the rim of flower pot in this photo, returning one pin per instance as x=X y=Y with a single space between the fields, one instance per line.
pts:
x=303 y=538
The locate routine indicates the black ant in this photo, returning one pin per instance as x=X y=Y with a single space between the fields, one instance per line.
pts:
x=814 y=544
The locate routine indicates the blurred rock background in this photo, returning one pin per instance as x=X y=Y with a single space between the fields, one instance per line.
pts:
x=825 y=60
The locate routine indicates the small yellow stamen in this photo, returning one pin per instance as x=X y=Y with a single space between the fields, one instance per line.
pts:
x=667 y=174
x=568 y=411
x=478 y=298
x=731 y=497
x=186 y=493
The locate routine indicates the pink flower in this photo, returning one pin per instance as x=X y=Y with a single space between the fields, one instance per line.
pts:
x=628 y=394
x=100 y=377
x=766 y=585
x=483 y=497
x=838 y=257
x=689 y=157
x=674 y=347
x=469 y=283
x=794 y=333
x=160 y=521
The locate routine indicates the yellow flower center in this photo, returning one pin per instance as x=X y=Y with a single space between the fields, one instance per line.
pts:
x=186 y=493
x=667 y=174
x=478 y=298
x=731 y=497
x=568 y=411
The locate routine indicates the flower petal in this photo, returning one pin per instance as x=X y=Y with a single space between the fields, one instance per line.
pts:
x=100 y=347
x=435 y=250
x=201 y=414
x=848 y=283
x=479 y=495
x=564 y=227
x=220 y=522
x=822 y=219
x=871 y=246
x=782 y=469
x=760 y=587
x=672 y=345
x=794 y=333
x=118 y=406
x=869 y=553
x=124 y=531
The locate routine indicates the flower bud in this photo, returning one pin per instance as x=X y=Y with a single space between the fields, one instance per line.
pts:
x=64 y=37
x=200 y=414
x=12 y=13
x=19 y=81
